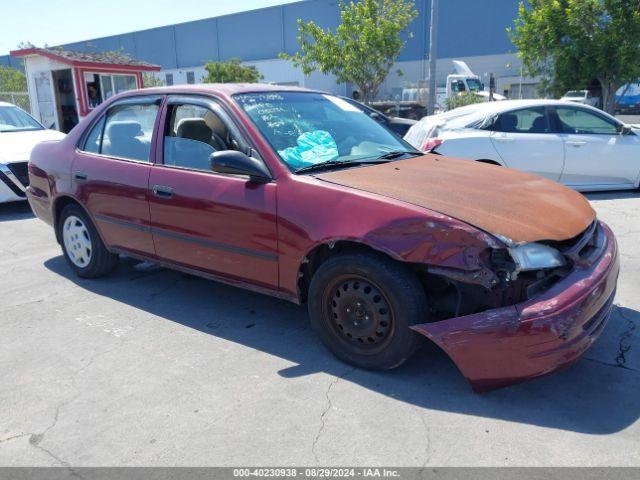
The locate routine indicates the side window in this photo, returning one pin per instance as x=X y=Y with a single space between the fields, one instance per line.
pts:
x=94 y=140
x=458 y=86
x=578 y=121
x=192 y=134
x=527 y=120
x=128 y=131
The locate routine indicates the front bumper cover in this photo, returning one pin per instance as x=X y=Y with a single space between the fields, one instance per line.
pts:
x=507 y=345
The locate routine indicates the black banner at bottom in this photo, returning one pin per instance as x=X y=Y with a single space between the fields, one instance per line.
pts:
x=404 y=473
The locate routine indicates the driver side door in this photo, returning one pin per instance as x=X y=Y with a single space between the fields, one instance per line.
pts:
x=596 y=154
x=224 y=225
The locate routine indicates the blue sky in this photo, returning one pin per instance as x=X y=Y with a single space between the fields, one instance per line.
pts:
x=66 y=21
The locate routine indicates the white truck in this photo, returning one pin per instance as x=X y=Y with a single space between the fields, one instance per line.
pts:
x=584 y=97
x=462 y=82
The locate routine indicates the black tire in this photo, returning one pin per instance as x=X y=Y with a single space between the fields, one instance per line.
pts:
x=100 y=261
x=345 y=294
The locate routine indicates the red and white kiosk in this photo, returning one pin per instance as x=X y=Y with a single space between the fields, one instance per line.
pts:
x=64 y=86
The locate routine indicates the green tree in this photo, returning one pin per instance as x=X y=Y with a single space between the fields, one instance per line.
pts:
x=231 y=71
x=12 y=80
x=363 y=48
x=25 y=44
x=461 y=100
x=149 y=80
x=570 y=43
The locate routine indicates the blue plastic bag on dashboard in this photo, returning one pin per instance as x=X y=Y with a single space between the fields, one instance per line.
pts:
x=312 y=148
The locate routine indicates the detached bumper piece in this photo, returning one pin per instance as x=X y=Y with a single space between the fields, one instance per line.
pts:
x=16 y=177
x=507 y=345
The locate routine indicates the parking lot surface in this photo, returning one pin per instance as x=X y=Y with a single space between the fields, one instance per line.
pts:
x=153 y=367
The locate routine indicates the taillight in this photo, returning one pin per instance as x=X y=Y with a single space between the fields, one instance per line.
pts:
x=431 y=143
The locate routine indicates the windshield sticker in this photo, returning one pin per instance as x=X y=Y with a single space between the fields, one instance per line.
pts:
x=342 y=104
x=312 y=148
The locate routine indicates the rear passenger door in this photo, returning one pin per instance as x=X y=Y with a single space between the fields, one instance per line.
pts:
x=111 y=173
x=526 y=140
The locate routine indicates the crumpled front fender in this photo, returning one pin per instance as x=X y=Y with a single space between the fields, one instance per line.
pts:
x=506 y=345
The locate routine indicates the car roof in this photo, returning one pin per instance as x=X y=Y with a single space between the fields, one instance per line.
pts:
x=6 y=104
x=224 y=88
x=506 y=105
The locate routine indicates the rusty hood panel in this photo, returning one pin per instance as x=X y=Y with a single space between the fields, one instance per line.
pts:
x=519 y=206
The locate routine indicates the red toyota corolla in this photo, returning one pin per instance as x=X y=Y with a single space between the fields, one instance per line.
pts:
x=300 y=195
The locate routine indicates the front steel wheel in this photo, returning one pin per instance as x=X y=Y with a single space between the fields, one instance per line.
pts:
x=362 y=305
x=360 y=313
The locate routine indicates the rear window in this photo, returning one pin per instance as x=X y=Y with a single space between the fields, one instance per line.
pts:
x=432 y=126
x=526 y=120
x=124 y=132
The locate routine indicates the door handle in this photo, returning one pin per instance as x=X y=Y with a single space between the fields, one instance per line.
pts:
x=162 y=191
x=576 y=143
x=504 y=139
x=80 y=176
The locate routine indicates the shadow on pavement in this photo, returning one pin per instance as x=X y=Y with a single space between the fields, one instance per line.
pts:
x=15 y=211
x=613 y=195
x=592 y=397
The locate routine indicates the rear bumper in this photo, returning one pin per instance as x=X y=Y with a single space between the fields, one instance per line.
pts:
x=40 y=204
x=499 y=347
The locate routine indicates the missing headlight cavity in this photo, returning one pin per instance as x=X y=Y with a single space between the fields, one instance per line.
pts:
x=454 y=296
x=506 y=276
x=449 y=298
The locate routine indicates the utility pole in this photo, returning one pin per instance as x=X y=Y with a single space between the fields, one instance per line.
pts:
x=492 y=86
x=433 y=56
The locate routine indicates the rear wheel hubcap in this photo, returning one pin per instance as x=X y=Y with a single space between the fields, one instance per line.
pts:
x=77 y=242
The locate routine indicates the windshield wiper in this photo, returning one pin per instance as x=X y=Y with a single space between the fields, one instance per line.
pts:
x=398 y=153
x=337 y=163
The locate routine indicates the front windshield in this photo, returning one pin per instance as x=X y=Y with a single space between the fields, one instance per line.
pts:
x=474 y=84
x=307 y=129
x=12 y=119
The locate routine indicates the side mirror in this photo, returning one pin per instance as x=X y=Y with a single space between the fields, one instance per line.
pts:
x=625 y=130
x=237 y=163
x=376 y=116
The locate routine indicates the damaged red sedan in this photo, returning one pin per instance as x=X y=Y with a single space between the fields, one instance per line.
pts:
x=299 y=195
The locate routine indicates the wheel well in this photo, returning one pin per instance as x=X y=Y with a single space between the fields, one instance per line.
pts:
x=320 y=254
x=489 y=162
x=448 y=297
x=58 y=206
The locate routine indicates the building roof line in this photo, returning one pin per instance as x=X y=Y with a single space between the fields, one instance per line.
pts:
x=82 y=59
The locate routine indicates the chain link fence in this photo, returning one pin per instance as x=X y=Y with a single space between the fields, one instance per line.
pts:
x=21 y=99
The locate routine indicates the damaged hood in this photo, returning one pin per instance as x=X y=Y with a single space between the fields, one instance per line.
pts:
x=518 y=206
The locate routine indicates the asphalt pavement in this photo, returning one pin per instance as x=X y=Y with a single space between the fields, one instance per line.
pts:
x=153 y=367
